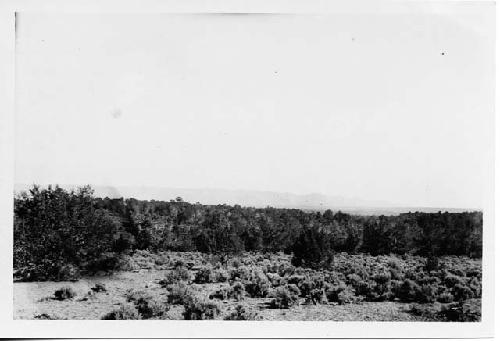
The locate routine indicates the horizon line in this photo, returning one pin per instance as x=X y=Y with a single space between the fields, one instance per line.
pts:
x=306 y=207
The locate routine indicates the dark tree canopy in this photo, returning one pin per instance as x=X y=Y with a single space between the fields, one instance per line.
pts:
x=53 y=226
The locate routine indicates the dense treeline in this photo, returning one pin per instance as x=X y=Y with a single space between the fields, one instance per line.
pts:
x=57 y=229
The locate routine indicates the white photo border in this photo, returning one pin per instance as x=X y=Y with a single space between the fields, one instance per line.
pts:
x=11 y=328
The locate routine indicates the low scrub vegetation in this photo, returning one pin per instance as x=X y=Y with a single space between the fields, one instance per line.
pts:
x=211 y=255
x=451 y=291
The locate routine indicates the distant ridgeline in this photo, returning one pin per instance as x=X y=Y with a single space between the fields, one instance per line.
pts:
x=54 y=228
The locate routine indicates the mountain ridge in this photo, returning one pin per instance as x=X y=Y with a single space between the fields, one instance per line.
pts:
x=255 y=198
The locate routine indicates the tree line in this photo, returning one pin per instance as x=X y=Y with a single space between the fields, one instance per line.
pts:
x=54 y=227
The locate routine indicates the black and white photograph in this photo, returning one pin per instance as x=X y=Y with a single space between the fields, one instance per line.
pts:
x=328 y=166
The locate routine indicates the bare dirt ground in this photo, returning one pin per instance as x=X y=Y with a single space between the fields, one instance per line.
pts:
x=36 y=298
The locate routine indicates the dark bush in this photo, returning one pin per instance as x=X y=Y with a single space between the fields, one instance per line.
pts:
x=258 y=285
x=178 y=293
x=241 y=313
x=451 y=280
x=64 y=293
x=340 y=293
x=151 y=308
x=147 y=306
x=462 y=293
x=45 y=316
x=313 y=248
x=221 y=276
x=220 y=294
x=196 y=308
x=180 y=274
x=55 y=228
x=283 y=299
x=125 y=312
x=205 y=275
x=237 y=291
x=427 y=293
x=98 y=287
x=275 y=279
x=106 y=262
x=408 y=291
x=240 y=274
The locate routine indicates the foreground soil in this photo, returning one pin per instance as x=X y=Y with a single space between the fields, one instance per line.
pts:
x=36 y=298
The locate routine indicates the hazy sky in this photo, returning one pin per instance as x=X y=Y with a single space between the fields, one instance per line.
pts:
x=397 y=108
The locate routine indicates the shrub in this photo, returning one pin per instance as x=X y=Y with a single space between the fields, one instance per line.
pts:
x=296 y=279
x=147 y=306
x=68 y=272
x=178 y=293
x=286 y=270
x=64 y=293
x=220 y=294
x=357 y=283
x=179 y=263
x=45 y=316
x=475 y=286
x=241 y=273
x=275 y=279
x=134 y=295
x=432 y=263
x=430 y=312
x=74 y=232
x=316 y=296
x=306 y=287
x=180 y=274
x=98 y=287
x=241 y=313
x=197 y=308
x=221 y=276
x=108 y=261
x=471 y=310
x=346 y=296
x=457 y=272
x=462 y=293
x=258 y=286
x=205 y=275
x=340 y=293
x=382 y=277
x=283 y=299
x=427 y=293
x=313 y=249
x=125 y=312
x=445 y=297
x=408 y=291
x=151 y=308
x=452 y=280
x=294 y=290
x=47 y=270
x=236 y=263
x=237 y=291
x=396 y=274
x=467 y=311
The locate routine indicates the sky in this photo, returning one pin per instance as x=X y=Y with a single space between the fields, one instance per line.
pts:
x=394 y=107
